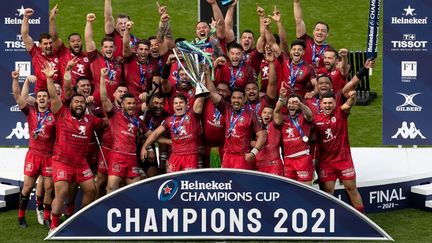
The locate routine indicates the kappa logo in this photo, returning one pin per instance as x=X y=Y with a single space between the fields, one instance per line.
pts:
x=409 y=104
x=410 y=132
x=409 y=17
x=20 y=131
x=168 y=190
x=18 y=18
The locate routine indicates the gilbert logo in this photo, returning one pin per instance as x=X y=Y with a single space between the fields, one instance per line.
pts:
x=168 y=190
x=409 y=104
x=409 y=17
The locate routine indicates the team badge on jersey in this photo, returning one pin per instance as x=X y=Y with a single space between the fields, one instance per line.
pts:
x=333 y=119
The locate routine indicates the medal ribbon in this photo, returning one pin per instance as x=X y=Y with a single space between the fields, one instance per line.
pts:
x=133 y=120
x=233 y=121
x=297 y=125
x=40 y=121
x=293 y=77
x=110 y=72
x=234 y=77
x=316 y=55
x=174 y=128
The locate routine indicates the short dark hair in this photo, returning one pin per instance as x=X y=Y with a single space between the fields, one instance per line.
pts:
x=180 y=96
x=122 y=85
x=80 y=78
x=143 y=42
x=331 y=49
x=235 y=45
x=159 y=95
x=122 y=16
x=44 y=36
x=248 y=31
x=328 y=94
x=77 y=95
x=269 y=106
x=107 y=38
x=72 y=34
x=298 y=42
x=127 y=95
x=43 y=90
x=323 y=23
x=237 y=89
x=323 y=75
x=152 y=38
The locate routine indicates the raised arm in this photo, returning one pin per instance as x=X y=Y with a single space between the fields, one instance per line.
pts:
x=57 y=42
x=109 y=19
x=27 y=39
x=281 y=30
x=261 y=41
x=21 y=102
x=127 y=50
x=363 y=71
x=25 y=91
x=88 y=32
x=271 y=86
x=165 y=84
x=218 y=16
x=67 y=79
x=277 y=112
x=343 y=63
x=151 y=139
x=352 y=98
x=298 y=16
x=270 y=39
x=106 y=103
x=56 y=102
x=261 y=138
x=229 y=22
x=307 y=113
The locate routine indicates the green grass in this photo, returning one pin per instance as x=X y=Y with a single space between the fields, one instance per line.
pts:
x=398 y=224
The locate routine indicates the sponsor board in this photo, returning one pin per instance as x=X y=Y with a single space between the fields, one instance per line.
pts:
x=218 y=204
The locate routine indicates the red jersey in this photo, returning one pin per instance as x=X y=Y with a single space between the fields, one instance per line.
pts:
x=73 y=137
x=257 y=107
x=292 y=138
x=264 y=71
x=239 y=127
x=124 y=129
x=188 y=93
x=81 y=69
x=152 y=121
x=299 y=77
x=270 y=152
x=214 y=125
x=185 y=132
x=42 y=123
x=235 y=76
x=139 y=76
x=332 y=136
x=118 y=42
x=160 y=61
x=253 y=58
x=314 y=54
x=114 y=78
x=38 y=61
x=338 y=80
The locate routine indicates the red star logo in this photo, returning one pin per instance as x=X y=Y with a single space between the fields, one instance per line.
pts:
x=167 y=189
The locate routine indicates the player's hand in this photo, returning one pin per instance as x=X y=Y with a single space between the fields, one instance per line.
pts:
x=369 y=63
x=151 y=156
x=260 y=11
x=129 y=25
x=266 y=22
x=283 y=92
x=31 y=78
x=91 y=17
x=276 y=15
x=220 y=61
x=250 y=157
x=28 y=12
x=48 y=70
x=15 y=74
x=295 y=100
x=143 y=96
x=143 y=154
x=269 y=55
x=161 y=9
x=343 y=52
x=171 y=59
x=90 y=99
x=164 y=18
x=309 y=95
x=71 y=63
x=233 y=4
x=352 y=94
x=211 y=1
x=104 y=72
x=53 y=12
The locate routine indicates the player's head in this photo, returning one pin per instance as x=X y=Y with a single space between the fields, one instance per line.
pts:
x=331 y=57
x=128 y=103
x=78 y=105
x=267 y=114
x=42 y=99
x=251 y=91
x=121 y=21
x=121 y=90
x=237 y=99
x=297 y=50
x=58 y=89
x=223 y=90
x=143 y=50
x=328 y=103
x=154 y=47
x=83 y=86
x=108 y=47
x=75 y=44
x=235 y=54
x=158 y=103
x=320 y=32
x=46 y=43
x=324 y=84
x=202 y=30
x=293 y=104
x=184 y=80
x=180 y=104
x=247 y=40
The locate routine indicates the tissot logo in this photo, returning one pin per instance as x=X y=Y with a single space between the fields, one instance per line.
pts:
x=409 y=17
x=409 y=104
x=409 y=42
x=18 y=18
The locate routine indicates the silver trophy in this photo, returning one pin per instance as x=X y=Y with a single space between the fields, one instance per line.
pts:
x=190 y=60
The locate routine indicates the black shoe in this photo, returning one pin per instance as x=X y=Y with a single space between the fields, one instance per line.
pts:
x=22 y=223
x=47 y=223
